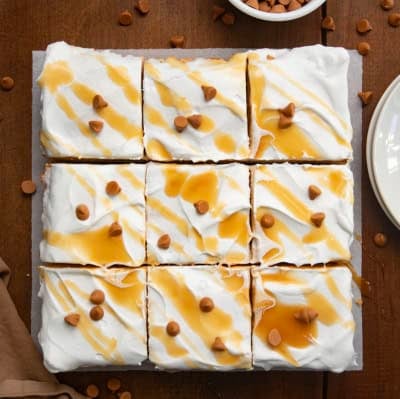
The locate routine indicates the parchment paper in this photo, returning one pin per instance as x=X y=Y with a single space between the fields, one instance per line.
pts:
x=38 y=162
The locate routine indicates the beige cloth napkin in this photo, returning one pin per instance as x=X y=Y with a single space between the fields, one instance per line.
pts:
x=22 y=374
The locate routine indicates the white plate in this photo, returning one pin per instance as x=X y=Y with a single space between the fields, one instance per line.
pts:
x=385 y=154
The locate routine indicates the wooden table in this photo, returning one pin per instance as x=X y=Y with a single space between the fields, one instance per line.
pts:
x=27 y=25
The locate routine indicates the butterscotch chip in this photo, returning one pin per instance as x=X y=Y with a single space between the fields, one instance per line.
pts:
x=270 y=57
x=363 y=26
x=125 y=395
x=306 y=315
x=264 y=6
x=313 y=192
x=294 y=5
x=274 y=337
x=125 y=18
x=180 y=123
x=96 y=126
x=365 y=97
x=202 y=207
x=195 y=120
x=284 y=2
x=7 y=83
x=115 y=230
x=97 y=297
x=278 y=8
x=113 y=188
x=317 y=219
x=209 y=92
x=113 y=384
x=96 y=313
x=284 y=121
x=328 y=23
x=92 y=391
x=253 y=4
x=380 y=240
x=363 y=48
x=267 y=221
x=72 y=319
x=173 y=329
x=228 y=18
x=177 y=41
x=28 y=187
x=387 y=4
x=289 y=110
x=217 y=11
x=394 y=20
x=218 y=345
x=98 y=102
x=82 y=212
x=206 y=304
x=143 y=6
x=164 y=241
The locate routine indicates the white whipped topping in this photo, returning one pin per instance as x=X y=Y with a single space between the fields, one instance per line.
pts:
x=282 y=191
x=221 y=235
x=329 y=290
x=119 y=338
x=68 y=239
x=174 y=294
x=70 y=79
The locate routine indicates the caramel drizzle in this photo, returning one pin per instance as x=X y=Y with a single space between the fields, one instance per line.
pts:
x=48 y=142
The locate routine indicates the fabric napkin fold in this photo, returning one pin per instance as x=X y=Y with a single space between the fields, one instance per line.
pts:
x=22 y=374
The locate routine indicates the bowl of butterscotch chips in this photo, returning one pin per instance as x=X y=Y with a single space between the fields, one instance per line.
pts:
x=277 y=10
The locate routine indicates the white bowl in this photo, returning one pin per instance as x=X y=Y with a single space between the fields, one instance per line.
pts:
x=276 y=17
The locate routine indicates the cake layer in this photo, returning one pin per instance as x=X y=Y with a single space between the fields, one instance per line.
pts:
x=92 y=317
x=94 y=214
x=199 y=318
x=71 y=79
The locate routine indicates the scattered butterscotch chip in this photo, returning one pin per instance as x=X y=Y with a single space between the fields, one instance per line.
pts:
x=96 y=313
x=278 y=8
x=253 y=4
x=264 y=6
x=274 y=337
x=217 y=11
x=380 y=240
x=96 y=126
x=180 y=123
x=294 y=5
x=289 y=110
x=394 y=19
x=113 y=384
x=115 y=230
x=284 y=122
x=328 y=23
x=99 y=102
x=82 y=212
x=28 y=187
x=143 y=6
x=206 y=304
x=313 y=192
x=92 y=391
x=387 y=4
x=365 y=97
x=267 y=220
x=125 y=395
x=113 y=188
x=363 y=26
x=173 y=329
x=201 y=206
x=317 y=219
x=72 y=319
x=125 y=18
x=195 y=120
x=97 y=297
x=359 y=301
x=218 y=345
x=306 y=315
x=209 y=92
x=7 y=83
x=177 y=41
x=164 y=241
x=228 y=18
x=363 y=48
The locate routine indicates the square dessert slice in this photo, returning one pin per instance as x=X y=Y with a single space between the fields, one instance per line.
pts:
x=303 y=318
x=94 y=214
x=303 y=214
x=199 y=317
x=91 y=104
x=92 y=317
x=198 y=214
x=195 y=109
x=299 y=104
